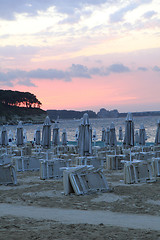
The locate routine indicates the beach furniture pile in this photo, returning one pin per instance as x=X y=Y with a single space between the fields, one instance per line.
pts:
x=7 y=174
x=83 y=180
x=52 y=168
x=139 y=171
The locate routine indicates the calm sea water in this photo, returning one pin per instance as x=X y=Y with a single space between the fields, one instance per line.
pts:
x=150 y=124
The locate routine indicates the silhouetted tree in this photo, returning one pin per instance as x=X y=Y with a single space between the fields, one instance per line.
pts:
x=20 y=99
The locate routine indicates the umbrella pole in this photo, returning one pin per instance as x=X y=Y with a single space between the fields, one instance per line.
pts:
x=47 y=155
x=22 y=160
x=130 y=156
x=115 y=152
x=6 y=149
x=36 y=148
x=47 y=164
x=85 y=161
x=122 y=146
x=39 y=149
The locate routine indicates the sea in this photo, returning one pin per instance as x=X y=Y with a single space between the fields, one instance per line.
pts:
x=150 y=124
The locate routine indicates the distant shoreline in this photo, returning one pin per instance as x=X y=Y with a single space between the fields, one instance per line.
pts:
x=103 y=113
x=142 y=114
x=37 y=116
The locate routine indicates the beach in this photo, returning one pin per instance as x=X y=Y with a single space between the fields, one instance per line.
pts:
x=38 y=209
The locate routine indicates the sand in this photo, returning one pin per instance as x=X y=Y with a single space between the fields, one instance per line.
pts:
x=38 y=209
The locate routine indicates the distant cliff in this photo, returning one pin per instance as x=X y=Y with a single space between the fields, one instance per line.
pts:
x=103 y=113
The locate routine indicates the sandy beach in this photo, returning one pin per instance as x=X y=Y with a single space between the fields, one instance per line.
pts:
x=38 y=209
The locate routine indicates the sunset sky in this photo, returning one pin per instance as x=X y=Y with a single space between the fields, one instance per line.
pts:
x=82 y=54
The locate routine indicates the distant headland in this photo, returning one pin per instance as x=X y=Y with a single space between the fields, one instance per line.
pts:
x=18 y=106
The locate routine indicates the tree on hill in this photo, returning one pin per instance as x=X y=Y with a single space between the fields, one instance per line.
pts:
x=19 y=99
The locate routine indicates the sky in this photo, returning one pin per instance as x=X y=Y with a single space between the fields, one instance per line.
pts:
x=82 y=54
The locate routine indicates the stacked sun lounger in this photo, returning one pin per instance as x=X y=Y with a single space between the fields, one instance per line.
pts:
x=89 y=160
x=52 y=168
x=114 y=162
x=26 y=163
x=7 y=174
x=5 y=158
x=139 y=171
x=83 y=180
x=156 y=165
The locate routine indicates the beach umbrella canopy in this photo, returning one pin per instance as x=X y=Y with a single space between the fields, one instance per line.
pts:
x=19 y=134
x=56 y=138
x=85 y=136
x=129 y=131
x=103 y=134
x=46 y=133
x=64 y=137
x=157 y=138
x=120 y=134
x=142 y=135
x=37 y=136
x=112 y=135
x=107 y=136
x=4 y=137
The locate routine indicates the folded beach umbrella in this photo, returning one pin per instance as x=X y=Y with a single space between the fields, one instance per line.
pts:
x=64 y=137
x=120 y=134
x=94 y=136
x=24 y=136
x=107 y=136
x=136 y=138
x=37 y=136
x=146 y=137
x=85 y=136
x=19 y=134
x=56 y=138
x=112 y=135
x=4 y=137
x=103 y=134
x=46 y=133
x=142 y=135
x=129 y=131
x=157 y=138
x=76 y=135
x=10 y=137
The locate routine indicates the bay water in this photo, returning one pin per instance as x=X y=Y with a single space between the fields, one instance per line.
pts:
x=150 y=124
